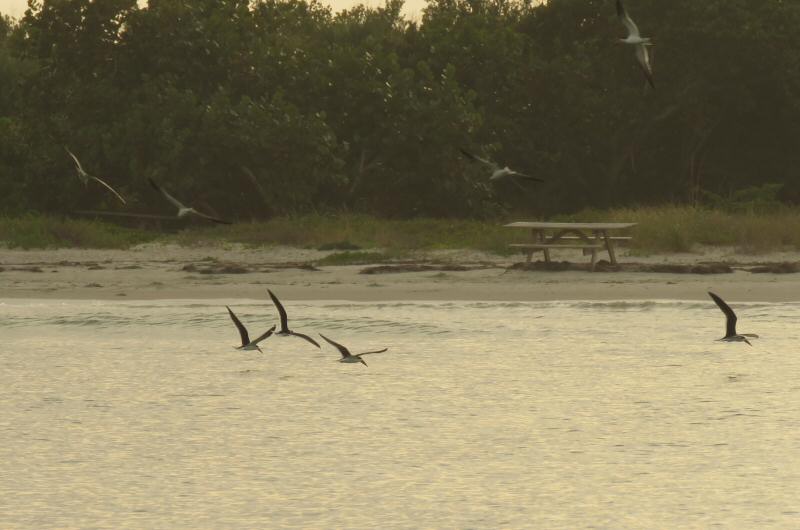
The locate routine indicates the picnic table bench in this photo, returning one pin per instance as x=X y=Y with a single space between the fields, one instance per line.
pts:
x=590 y=237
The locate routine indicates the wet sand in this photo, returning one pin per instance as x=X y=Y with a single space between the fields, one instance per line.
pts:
x=233 y=271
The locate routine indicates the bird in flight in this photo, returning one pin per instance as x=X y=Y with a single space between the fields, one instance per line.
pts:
x=499 y=173
x=285 y=321
x=184 y=210
x=730 y=323
x=248 y=344
x=348 y=357
x=85 y=177
x=640 y=43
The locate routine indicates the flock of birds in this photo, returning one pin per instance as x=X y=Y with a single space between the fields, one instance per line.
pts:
x=634 y=39
x=248 y=344
x=347 y=357
x=183 y=210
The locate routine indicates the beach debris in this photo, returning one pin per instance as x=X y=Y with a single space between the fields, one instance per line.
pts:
x=216 y=268
x=415 y=267
x=785 y=267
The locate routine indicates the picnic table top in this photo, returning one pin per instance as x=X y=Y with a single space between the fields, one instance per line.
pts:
x=578 y=226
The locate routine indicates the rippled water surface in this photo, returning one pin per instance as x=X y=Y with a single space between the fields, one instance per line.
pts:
x=480 y=415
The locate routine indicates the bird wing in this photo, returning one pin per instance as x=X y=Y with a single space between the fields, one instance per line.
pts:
x=306 y=337
x=265 y=335
x=730 y=326
x=215 y=219
x=344 y=351
x=281 y=311
x=112 y=190
x=178 y=204
x=517 y=184
x=75 y=158
x=527 y=177
x=242 y=330
x=626 y=20
x=643 y=56
x=483 y=161
x=370 y=352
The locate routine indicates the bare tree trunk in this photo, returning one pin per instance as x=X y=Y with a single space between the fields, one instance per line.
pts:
x=696 y=160
x=265 y=198
x=363 y=168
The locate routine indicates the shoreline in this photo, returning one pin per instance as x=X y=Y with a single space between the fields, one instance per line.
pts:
x=153 y=272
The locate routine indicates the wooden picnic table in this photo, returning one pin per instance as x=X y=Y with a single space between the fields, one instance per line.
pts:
x=590 y=237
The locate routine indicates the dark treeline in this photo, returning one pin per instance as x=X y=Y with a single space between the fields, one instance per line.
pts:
x=252 y=109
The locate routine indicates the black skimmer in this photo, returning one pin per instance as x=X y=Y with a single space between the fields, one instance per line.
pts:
x=640 y=43
x=285 y=321
x=184 y=210
x=85 y=177
x=730 y=324
x=348 y=357
x=499 y=173
x=248 y=344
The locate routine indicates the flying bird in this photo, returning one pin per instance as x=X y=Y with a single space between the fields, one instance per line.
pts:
x=640 y=43
x=730 y=323
x=184 y=210
x=285 y=321
x=499 y=173
x=348 y=357
x=85 y=177
x=248 y=344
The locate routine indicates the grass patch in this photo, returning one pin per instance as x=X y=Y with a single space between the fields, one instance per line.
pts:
x=659 y=229
x=682 y=228
x=318 y=231
x=339 y=245
x=35 y=231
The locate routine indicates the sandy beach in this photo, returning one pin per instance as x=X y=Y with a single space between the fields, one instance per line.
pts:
x=232 y=271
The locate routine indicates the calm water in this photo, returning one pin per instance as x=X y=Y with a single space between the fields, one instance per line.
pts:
x=481 y=415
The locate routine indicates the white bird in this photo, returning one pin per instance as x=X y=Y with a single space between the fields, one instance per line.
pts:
x=248 y=344
x=498 y=172
x=634 y=38
x=184 y=210
x=730 y=323
x=285 y=321
x=348 y=357
x=85 y=177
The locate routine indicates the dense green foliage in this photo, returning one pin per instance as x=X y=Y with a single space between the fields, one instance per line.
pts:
x=275 y=107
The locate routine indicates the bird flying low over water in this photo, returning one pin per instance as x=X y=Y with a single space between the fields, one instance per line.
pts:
x=498 y=172
x=248 y=344
x=285 y=321
x=348 y=357
x=730 y=324
x=85 y=177
x=184 y=210
x=640 y=43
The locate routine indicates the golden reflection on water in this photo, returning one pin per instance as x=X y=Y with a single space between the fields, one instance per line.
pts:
x=480 y=415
